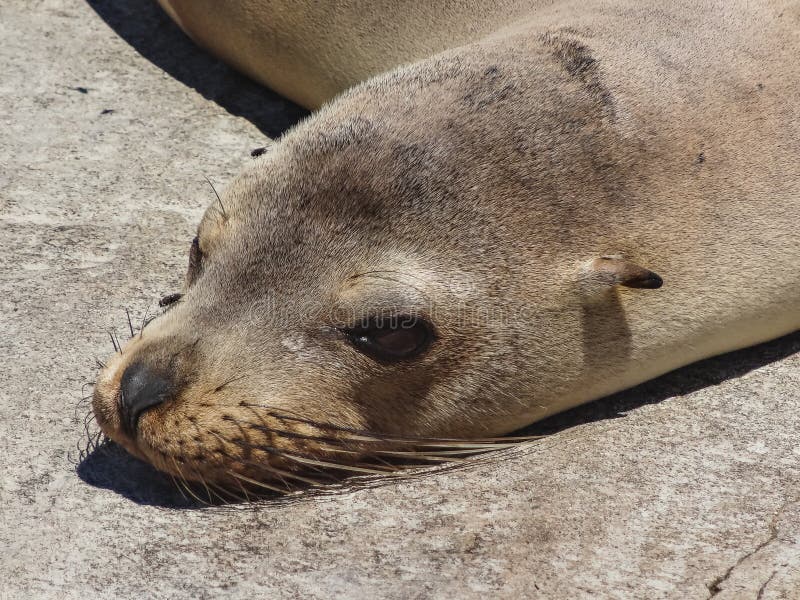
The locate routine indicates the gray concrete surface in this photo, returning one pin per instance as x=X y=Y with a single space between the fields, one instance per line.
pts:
x=687 y=487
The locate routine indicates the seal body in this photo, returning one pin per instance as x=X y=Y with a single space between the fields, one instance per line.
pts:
x=312 y=51
x=509 y=207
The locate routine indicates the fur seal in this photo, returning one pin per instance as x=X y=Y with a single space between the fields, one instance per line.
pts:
x=472 y=241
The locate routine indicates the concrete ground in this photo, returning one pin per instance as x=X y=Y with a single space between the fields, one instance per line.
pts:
x=686 y=487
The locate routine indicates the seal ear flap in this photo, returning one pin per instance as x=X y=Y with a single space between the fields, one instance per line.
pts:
x=608 y=271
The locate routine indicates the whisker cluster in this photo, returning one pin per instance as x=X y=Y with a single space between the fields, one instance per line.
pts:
x=340 y=455
x=92 y=438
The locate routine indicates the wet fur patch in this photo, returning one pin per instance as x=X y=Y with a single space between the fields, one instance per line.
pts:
x=577 y=60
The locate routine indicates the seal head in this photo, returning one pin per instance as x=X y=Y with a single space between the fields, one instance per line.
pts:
x=392 y=272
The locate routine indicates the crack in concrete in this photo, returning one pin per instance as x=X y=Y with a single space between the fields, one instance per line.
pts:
x=764 y=586
x=715 y=587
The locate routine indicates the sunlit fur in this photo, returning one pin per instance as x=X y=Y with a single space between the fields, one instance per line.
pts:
x=479 y=189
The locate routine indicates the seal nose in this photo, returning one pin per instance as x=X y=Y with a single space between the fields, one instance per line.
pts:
x=140 y=389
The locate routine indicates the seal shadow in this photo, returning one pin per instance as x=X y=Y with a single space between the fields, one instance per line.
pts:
x=108 y=466
x=696 y=376
x=148 y=29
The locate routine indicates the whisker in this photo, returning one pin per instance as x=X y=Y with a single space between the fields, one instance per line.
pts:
x=187 y=488
x=244 y=490
x=455 y=453
x=282 y=480
x=337 y=452
x=268 y=467
x=246 y=444
x=222 y=206
x=230 y=494
x=84 y=450
x=113 y=341
x=203 y=483
x=366 y=436
x=382 y=461
x=289 y=474
x=340 y=466
x=186 y=484
x=425 y=450
x=470 y=444
x=282 y=432
x=91 y=444
x=420 y=455
x=305 y=459
x=256 y=483
x=178 y=487
x=130 y=324
x=87 y=420
x=144 y=321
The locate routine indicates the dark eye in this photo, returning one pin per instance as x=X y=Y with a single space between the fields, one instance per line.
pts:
x=195 y=262
x=392 y=339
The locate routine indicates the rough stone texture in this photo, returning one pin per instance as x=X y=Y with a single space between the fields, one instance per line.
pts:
x=687 y=487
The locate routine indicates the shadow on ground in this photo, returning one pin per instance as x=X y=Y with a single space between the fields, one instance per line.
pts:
x=149 y=30
x=110 y=467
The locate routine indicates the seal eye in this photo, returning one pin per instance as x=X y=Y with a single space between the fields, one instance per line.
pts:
x=195 y=261
x=392 y=339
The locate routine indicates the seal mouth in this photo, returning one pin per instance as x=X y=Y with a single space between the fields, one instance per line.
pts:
x=259 y=450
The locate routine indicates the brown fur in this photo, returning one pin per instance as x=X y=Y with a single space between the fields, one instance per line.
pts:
x=480 y=188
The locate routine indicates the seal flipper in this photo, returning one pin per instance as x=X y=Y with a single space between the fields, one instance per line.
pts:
x=615 y=270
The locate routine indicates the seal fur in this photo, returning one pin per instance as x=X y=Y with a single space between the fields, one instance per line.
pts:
x=523 y=195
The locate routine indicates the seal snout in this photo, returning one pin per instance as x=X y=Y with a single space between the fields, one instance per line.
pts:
x=141 y=388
